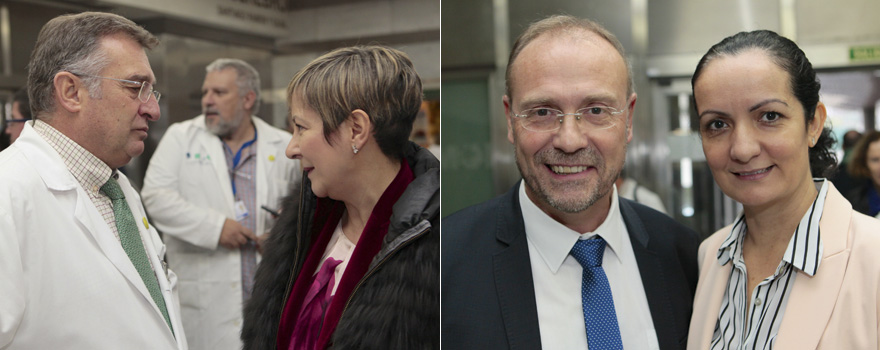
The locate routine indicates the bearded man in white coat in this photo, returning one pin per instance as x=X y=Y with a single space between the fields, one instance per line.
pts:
x=81 y=267
x=205 y=189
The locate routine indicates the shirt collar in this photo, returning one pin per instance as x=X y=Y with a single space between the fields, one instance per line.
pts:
x=805 y=248
x=554 y=241
x=88 y=170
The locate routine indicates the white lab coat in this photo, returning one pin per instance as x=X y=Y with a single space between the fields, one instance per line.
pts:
x=189 y=198
x=65 y=280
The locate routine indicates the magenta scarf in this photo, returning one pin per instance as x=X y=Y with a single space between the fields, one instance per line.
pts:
x=365 y=249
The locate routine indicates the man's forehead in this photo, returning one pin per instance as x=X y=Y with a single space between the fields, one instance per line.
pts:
x=131 y=63
x=548 y=54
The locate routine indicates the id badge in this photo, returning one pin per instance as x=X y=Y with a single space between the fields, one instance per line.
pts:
x=241 y=211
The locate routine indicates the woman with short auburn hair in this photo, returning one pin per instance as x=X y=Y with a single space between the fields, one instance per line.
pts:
x=358 y=264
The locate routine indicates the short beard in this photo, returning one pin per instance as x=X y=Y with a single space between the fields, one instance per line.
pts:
x=569 y=205
x=223 y=128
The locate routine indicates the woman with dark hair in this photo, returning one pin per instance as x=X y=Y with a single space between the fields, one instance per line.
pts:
x=865 y=165
x=798 y=269
x=357 y=266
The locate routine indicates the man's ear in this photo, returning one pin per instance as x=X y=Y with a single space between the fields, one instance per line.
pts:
x=508 y=113
x=361 y=128
x=69 y=91
x=630 y=112
x=250 y=99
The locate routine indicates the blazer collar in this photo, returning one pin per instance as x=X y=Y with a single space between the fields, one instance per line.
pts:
x=802 y=326
x=813 y=297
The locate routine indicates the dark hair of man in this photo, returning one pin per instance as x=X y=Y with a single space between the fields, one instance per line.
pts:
x=803 y=82
x=71 y=43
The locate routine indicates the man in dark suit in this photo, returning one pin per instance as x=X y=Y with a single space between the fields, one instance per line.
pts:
x=512 y=273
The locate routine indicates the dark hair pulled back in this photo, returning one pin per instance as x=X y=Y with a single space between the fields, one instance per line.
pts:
x=803 y=82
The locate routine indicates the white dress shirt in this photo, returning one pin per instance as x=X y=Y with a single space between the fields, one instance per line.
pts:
x=557 y=276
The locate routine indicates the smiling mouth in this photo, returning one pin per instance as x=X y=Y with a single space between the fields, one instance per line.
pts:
x=566 y=170
x=756 y=172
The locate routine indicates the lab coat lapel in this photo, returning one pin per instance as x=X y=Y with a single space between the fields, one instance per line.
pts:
x=148 y=234
x=214 y=147
x=60 y=181
x=812 y=299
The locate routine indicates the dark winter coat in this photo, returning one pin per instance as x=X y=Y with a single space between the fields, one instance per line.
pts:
x=396 y=305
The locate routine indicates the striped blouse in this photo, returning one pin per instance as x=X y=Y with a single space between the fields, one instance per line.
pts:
x=753 y=324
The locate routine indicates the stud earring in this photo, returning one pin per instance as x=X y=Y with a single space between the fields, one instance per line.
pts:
x=814 y=142
x=354 y=149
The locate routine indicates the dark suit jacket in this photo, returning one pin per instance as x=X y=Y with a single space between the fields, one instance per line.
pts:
x=487 y=291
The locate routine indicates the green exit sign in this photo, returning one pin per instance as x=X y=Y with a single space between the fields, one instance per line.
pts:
x=864 y=53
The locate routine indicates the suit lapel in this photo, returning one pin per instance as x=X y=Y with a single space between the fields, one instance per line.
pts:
x=813 y=298
x=651 y=269
x=513 y=276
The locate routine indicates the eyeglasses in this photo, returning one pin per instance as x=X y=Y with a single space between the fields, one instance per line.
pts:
x=542 y=119
x=143 y=95
x=8 y=121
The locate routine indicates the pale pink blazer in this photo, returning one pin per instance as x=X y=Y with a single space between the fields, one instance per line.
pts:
x=838 y=308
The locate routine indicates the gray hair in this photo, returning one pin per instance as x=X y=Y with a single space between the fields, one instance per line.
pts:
x=71 y=43
x=566 y=24
x=248 y=78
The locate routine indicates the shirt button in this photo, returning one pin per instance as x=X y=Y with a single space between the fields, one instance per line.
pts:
x=758 y=301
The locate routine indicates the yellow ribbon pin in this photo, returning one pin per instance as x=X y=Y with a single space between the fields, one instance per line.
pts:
x=146 y=224
x=271 y=158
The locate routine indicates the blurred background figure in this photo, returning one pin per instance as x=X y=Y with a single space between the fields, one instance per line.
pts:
x=628 y=188
x=843 y=179
x=205 y=189
x=864 y=167
x=20 y=114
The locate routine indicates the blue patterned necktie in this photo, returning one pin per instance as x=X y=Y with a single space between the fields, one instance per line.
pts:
x=600 y=318
x=132 y=244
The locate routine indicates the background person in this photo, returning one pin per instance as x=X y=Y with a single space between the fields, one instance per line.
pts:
x=628 y=188
x=21 y=113
x=798 y=269
x=204 y=188
x=843 y=179
x=561 y=261
x=358 y=265
x=865 y=169
x=81 y=267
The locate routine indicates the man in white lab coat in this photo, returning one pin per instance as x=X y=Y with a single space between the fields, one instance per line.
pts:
x=205 y=189
x=81 y=267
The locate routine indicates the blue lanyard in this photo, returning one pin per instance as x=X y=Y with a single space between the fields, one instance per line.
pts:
x=237 y=158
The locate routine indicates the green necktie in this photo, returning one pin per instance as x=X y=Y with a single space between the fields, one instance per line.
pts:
x=131 y=242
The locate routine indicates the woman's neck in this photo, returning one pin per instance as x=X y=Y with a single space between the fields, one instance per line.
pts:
x=371 y=181
x=770 y=227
